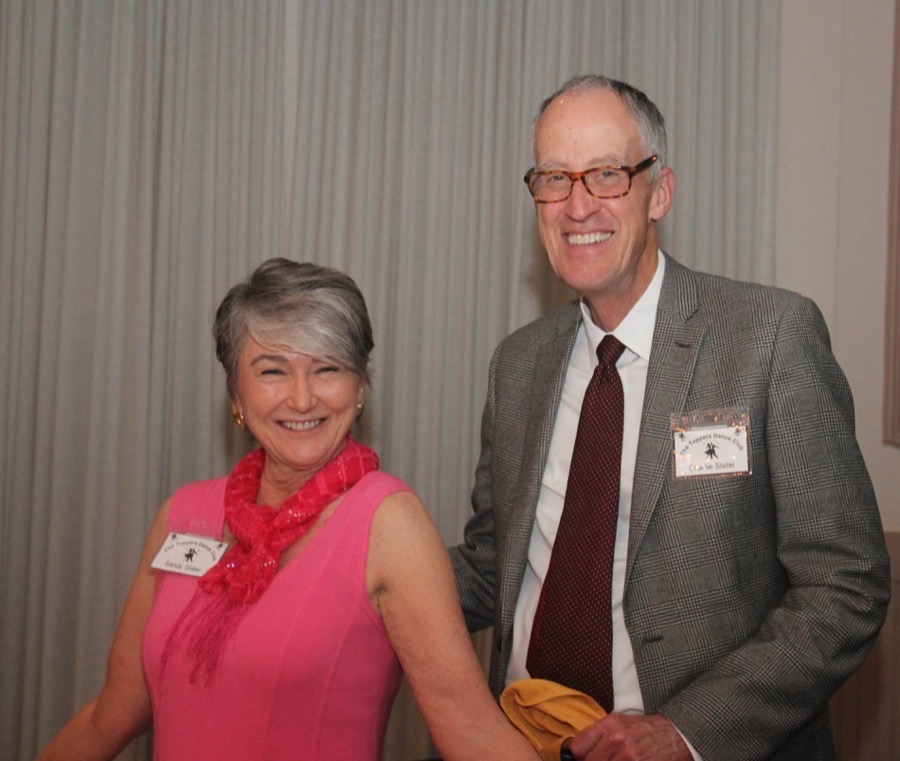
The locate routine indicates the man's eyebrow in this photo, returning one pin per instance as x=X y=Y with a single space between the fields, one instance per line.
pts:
x=549 y=166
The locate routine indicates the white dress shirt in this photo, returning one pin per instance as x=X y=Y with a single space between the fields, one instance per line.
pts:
x=636 y=333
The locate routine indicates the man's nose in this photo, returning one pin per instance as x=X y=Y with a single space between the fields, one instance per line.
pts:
x=580 y=203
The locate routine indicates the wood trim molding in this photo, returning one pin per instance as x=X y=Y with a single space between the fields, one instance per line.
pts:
x=892 y=310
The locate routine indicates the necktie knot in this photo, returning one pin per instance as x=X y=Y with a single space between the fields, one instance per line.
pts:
x=609 y=351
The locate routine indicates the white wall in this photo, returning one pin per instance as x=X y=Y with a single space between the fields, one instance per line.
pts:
x=831 y=226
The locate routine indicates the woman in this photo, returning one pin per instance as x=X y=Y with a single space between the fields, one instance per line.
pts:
x=291 y=644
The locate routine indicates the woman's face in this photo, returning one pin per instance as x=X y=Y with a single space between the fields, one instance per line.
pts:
x=299 y=408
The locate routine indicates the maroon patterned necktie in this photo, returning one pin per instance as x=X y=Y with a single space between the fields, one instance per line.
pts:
x=571 y=639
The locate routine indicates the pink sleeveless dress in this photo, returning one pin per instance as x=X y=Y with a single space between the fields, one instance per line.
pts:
x=309 y=672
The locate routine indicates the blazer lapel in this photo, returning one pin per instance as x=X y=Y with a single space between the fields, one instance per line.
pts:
x=549 y=372
x=677 y=337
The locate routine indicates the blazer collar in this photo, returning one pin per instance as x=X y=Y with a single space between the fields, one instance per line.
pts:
x=677 y=337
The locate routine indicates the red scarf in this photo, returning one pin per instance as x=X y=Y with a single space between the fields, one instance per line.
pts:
x=262 y=533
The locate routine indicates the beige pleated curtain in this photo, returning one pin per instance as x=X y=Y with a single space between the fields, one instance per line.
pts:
x=152 y=152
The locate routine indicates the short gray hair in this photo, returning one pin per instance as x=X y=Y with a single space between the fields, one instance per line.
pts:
x=298 y=306
x=650 y=122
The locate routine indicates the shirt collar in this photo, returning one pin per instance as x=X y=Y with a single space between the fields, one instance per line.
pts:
x=636 y=329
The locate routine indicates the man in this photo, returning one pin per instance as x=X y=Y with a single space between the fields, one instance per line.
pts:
x=749 y=578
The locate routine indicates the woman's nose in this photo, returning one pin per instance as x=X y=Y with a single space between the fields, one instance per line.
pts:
x=302 y=396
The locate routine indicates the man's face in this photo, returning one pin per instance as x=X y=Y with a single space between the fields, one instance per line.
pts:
x=605 y=249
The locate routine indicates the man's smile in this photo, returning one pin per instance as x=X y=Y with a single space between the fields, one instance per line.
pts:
x=587 y=239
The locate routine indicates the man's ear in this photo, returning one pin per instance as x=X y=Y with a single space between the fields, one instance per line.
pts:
x=661 y=197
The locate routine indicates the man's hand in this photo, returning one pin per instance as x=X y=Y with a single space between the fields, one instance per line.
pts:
x=620 y=737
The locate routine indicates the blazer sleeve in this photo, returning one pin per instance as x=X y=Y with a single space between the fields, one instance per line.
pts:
x=822 y=563
x=474 y=559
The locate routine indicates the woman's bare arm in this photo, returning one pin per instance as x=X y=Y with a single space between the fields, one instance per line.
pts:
x=411 y=584
x=122 y=710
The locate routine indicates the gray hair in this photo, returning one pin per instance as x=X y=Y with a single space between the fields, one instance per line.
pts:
x=300 y=307
x=650 y=122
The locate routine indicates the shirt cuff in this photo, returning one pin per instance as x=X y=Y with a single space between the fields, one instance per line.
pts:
x=697 y=756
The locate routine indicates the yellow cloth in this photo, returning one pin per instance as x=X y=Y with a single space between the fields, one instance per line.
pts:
x=548 y=713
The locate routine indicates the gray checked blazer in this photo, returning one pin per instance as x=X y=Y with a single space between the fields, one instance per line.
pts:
x=748 y=599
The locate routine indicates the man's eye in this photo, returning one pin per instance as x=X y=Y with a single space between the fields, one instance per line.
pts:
x=272 y=371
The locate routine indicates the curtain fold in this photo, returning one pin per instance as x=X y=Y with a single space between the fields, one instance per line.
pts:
x=152 y=153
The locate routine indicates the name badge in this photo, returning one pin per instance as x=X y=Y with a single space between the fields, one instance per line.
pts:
x=189 y=554
x=711 y=443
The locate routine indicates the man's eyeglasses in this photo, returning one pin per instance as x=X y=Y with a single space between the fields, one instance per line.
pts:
x=555 y=185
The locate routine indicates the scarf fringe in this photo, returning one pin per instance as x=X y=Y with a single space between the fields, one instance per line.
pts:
x=205 y=642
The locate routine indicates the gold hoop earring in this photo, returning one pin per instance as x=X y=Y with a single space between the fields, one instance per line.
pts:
x=238 y=417
x=360 y=407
